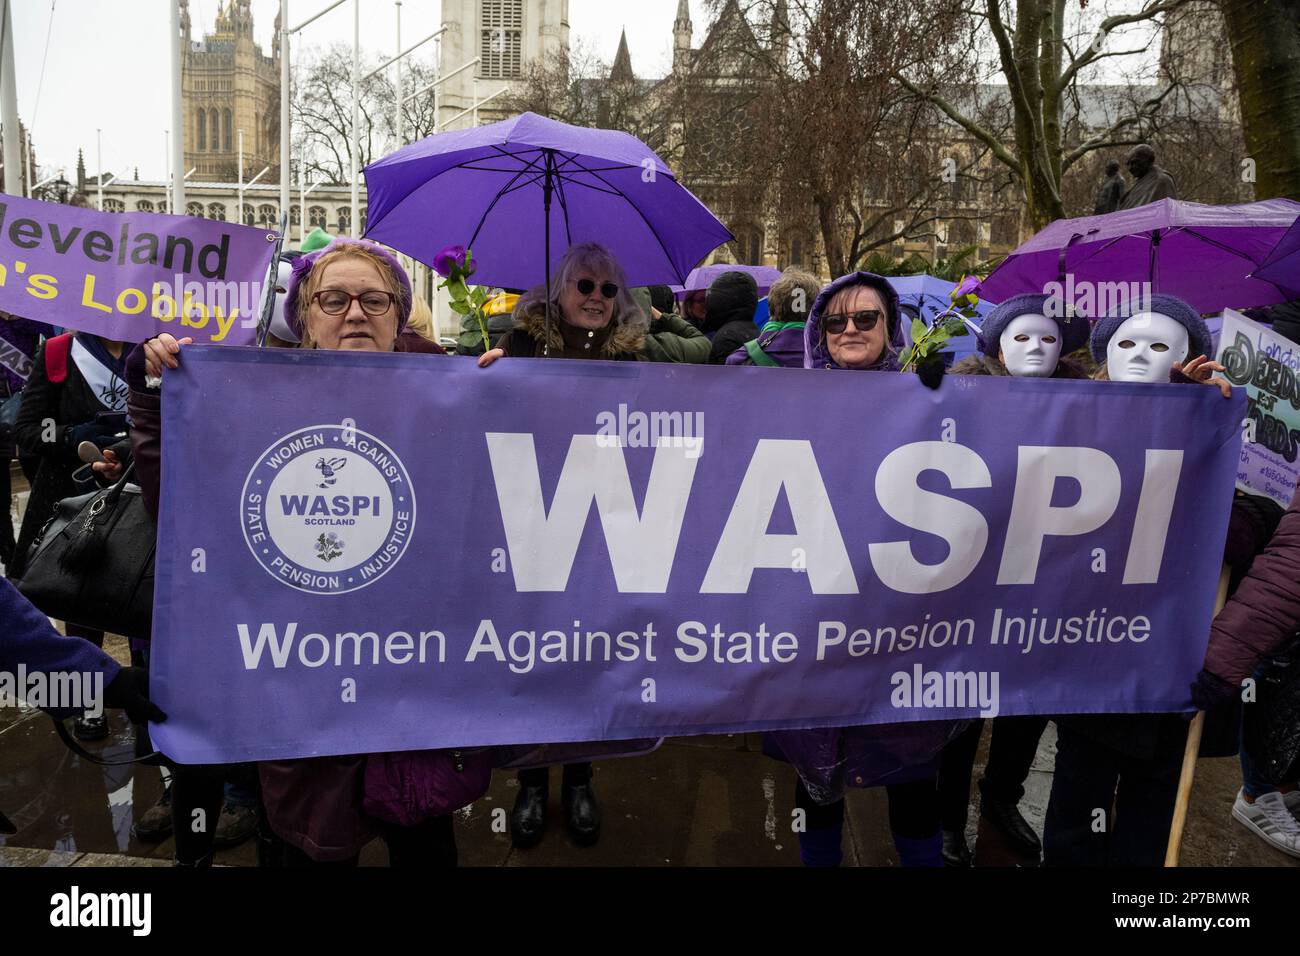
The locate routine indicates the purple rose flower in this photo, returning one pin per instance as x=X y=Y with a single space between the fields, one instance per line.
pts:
x=969 y=286
x=450 y=258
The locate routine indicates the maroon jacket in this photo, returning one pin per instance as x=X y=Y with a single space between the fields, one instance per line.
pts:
x=1264 y=611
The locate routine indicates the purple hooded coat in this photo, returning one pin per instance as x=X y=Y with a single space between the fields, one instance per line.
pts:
x=832 y=759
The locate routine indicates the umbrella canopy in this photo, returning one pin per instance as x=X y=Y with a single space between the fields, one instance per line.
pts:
x=925 y=296
x=510 y=190
x=1282 y=266
x=703 y=277
x=1203 y=254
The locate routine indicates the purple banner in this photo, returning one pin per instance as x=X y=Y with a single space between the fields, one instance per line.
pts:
x=393 y=552
x=130 y=276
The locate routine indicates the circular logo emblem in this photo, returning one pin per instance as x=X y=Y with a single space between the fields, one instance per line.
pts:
x=328 y=509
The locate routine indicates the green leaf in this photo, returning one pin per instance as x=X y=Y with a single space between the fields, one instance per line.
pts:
x=918 y=329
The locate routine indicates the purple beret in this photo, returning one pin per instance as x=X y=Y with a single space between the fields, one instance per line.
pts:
x=1074 y=329
x=1199 y=341
x=305 y=263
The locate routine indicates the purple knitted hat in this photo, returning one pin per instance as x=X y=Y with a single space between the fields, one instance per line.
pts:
x=1199 y=341
x=1074 y=329
x=304 y=264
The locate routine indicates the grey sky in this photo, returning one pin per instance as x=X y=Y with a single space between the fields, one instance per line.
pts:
x=107 y=66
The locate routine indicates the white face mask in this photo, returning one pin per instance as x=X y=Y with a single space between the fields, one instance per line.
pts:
x=1031 y=345
x=1145 y=347
x=280 y=327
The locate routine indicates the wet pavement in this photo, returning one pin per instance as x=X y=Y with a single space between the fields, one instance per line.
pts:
x=697 y=801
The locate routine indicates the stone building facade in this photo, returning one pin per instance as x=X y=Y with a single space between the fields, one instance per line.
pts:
x=230 y=87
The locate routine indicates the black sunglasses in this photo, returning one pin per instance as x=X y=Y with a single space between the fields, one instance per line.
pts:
x=588 y=286
x=864 y=321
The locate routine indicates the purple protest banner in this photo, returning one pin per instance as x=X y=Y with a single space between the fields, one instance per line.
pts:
x=395 y=552
x=122 y=275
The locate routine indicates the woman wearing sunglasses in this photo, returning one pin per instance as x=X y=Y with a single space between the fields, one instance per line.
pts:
x=593 y=316
x=854 y=325
x=592 y=313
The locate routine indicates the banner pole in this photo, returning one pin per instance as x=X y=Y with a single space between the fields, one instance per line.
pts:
x=1190 y=753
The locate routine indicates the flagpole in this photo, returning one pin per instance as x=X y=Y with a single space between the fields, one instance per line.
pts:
x=356 y=114
x=178 y=130
x=285 y=198
x=1190 y=754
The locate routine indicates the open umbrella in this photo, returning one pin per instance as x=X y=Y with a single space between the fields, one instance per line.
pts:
x=519 y=192
x=1203 y=254
x=703 y=277
x=1282 y=266
x=925 y=296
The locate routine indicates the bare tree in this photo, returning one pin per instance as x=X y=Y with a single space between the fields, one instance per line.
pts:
x=1265 y=36
x=1042 y=60
x=322 y=115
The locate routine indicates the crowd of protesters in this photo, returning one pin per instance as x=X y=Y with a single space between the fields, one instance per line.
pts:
x=353 y=295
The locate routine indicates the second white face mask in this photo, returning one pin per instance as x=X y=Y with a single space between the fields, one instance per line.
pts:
x=1031 y=346
x=1145 y=347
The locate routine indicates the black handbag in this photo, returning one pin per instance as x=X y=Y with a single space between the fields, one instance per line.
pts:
x=10 y=406
x=93 y=562
x=1271 y=732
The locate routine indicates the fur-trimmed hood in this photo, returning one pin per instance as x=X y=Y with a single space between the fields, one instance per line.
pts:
x=624 y=336
x=980 y=364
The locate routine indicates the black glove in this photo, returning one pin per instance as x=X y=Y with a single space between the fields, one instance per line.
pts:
x=129 y=690
x=92 y=431
x=1210 y=691
x=931 y=373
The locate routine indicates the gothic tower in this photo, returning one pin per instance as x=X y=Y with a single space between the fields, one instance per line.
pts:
x=229 y=86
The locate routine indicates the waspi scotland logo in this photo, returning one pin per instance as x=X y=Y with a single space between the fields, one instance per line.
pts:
x=328 y=509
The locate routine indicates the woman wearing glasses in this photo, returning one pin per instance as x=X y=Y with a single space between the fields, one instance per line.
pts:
x=350 y=296
x=592 y=317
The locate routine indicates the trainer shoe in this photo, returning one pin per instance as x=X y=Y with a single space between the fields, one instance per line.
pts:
x=1292 y=801
x=1269 y=817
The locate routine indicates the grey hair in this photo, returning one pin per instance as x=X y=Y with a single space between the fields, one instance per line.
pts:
x=598 y=259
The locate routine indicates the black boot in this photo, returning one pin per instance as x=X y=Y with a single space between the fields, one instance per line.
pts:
x=1005 y=816
x=528 y=818
x=955 y=850
x=580 y=805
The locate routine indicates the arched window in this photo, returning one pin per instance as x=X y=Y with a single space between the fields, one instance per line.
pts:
x=798 y=252
x=266 y=215
x=194 y=209
x=143 y=205
x=215 y=121
x=962 y=232
x=316 y=216
x=345 y=220
x=203 y=130
x=295 y=215
x=227 y=137
x=114 y=205
x=217 y=211
x=749 y=246
x=250 y=216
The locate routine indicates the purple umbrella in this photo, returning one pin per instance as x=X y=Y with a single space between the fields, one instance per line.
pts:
x=1203 y=254
x=703 y=277
x=504 y=190
x=1282 y=266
